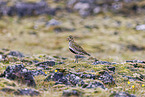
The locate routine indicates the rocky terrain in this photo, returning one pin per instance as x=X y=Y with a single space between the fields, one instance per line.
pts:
x=35 y=59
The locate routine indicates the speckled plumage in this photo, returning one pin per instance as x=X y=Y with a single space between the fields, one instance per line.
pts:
x=75 y=48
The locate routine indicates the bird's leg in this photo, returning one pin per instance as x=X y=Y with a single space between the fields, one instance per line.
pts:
x=76 y=58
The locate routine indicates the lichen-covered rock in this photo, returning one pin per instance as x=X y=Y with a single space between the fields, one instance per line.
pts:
x=135 y=61
x=38 y=72
x=68 y=93
x=59 y=78
x=16 y=54
x=140 y=27
x=8 y=90
x=90 y=76
x=101 y=62
x=19 y=73
x=45 y=64
x=26 y=91
x=26 y=9
x=75 y=80
x=68 y=79
x=106 y=78
x=90 y=7
x=122 y=94
x=94 y=84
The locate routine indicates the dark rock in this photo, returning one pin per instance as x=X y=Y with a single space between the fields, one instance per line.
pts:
x=122 y=94
x=16 y=54
x=67 y=93
x=106 y=78
x=45 y=64
x=135 y=61
x=138 y=65
x=135 y=48
x=75 y=80
x=8 y=90
x=101 y=62
x=68 y=79
x=116 y=33
x=33 y=33
x=38 y=72
x=90 y=76
x=95 y=84
x=29 y=9
x=26 y=91
x=111 y=68
x=26 y=9
x=19 y=73
x=59 y=78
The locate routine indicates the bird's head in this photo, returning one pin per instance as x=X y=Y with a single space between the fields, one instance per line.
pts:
x=70 y=38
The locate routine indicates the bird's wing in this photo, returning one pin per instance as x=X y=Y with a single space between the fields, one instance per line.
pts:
x=80 y=49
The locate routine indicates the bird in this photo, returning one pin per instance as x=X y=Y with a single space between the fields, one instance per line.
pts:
x=76 y=48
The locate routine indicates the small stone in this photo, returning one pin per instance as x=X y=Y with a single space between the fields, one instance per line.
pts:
x=68 y=93
x=96 y=10
x=53 y=22
x=135 y=61
x=122 y=94
x=101 y=62
x=16 y=54
x=140 y=27
x=26 y=91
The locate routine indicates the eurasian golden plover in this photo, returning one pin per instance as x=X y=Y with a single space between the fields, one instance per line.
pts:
x=75 y=48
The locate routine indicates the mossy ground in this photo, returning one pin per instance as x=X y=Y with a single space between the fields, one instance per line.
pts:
x=100 y=35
